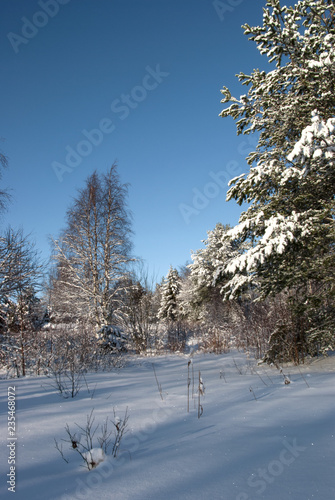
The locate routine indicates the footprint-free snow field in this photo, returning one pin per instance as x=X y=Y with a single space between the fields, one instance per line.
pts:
x=249 y=435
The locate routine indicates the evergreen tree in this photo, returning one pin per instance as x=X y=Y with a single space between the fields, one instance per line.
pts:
x=169 y=306
x=207 y=268
x=290 y=186
x=206 y=271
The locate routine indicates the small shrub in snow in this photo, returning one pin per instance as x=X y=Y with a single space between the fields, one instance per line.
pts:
x=82 y=441
x=67 y=377
x=285 y=377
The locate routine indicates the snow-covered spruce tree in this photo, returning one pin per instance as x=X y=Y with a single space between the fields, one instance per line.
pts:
x=93 y=254
x=207 y=268
x=169 y=310
x=290 y=185
x=205 y=301
x=216 y=318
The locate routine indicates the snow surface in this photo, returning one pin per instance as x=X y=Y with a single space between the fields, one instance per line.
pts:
x=258 y=438
x=94 y=457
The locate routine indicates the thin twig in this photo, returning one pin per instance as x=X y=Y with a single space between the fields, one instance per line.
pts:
x=60 y=449
x=261 y=378
x=222 y=375
x=303 y=378
x=237 y=367
x=251 y=390
x=158 y=384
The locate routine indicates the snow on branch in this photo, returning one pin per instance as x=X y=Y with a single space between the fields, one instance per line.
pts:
x=278 y=232
x=317 y=141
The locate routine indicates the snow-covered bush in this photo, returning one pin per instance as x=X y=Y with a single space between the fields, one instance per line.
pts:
x=112 y=337
x=91 y=448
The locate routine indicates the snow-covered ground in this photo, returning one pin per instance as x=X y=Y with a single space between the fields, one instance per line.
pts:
x=258 y=438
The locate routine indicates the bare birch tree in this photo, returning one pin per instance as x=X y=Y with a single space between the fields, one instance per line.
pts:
x=20 y=265
x=93 y=252
x=21 y=275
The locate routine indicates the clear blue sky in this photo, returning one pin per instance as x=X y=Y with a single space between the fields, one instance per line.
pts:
x=148 y=73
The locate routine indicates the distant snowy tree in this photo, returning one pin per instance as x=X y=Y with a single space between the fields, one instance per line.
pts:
x=139 y=311
x=20 y=264
x=190 y=303
x=21 y=276
x=201 y=296
x=66 y=304
x=8 y=315
x=291 y=183
x=208 y=262
x=169 y=307
x=207 y=268
x=171 y=310
x=25 y=317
